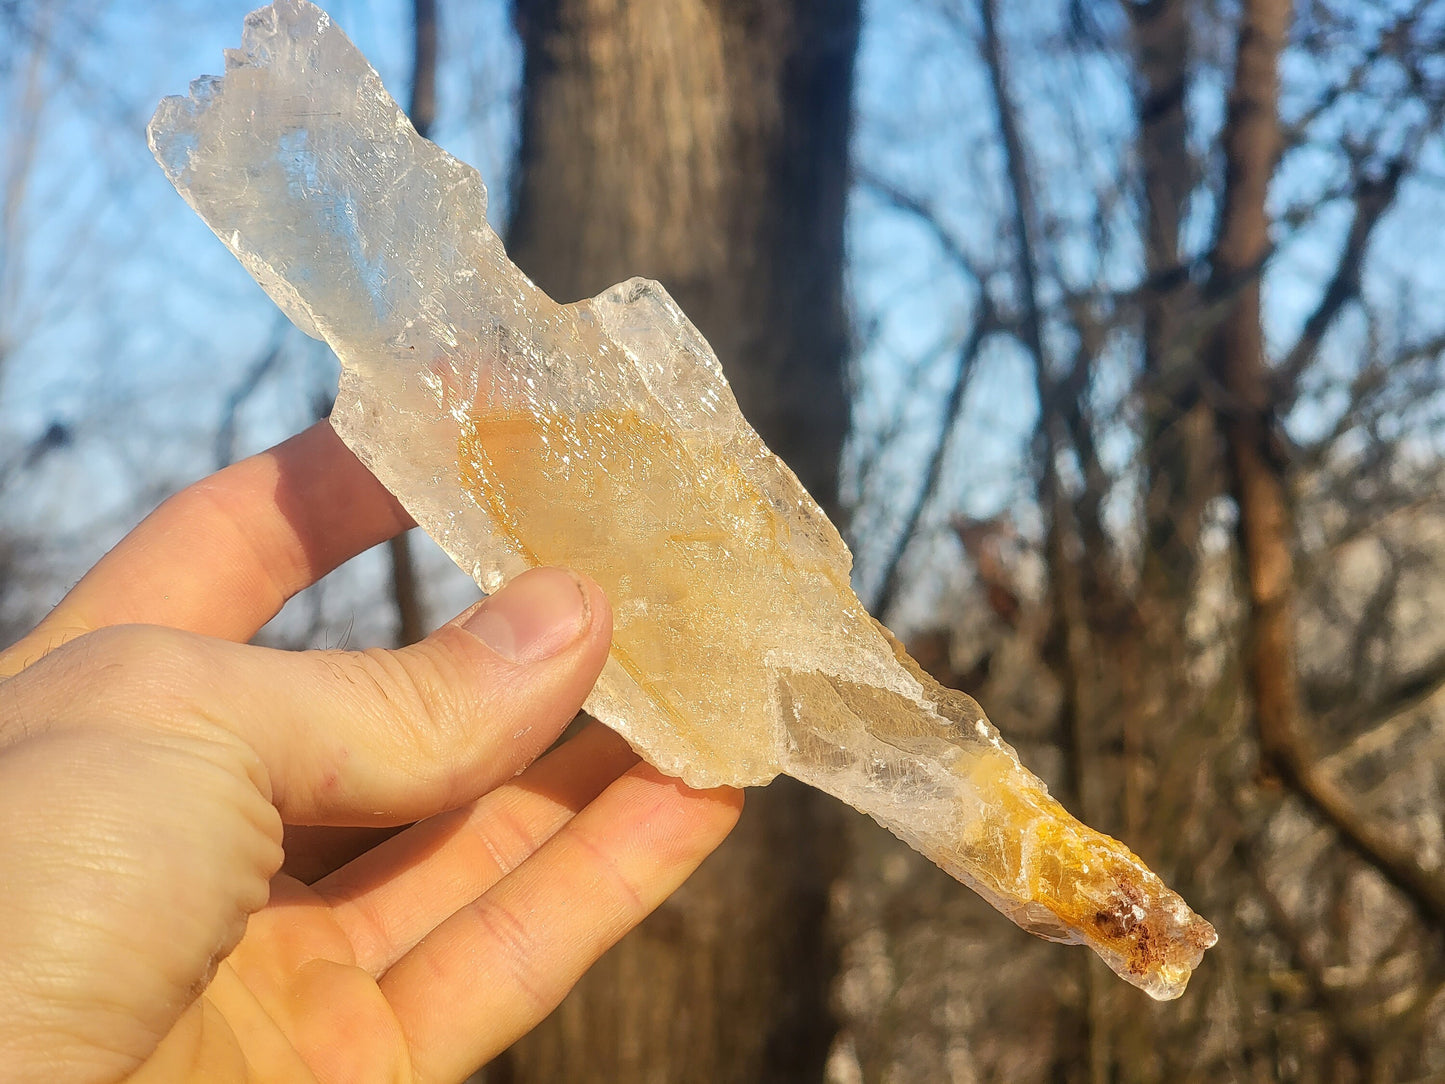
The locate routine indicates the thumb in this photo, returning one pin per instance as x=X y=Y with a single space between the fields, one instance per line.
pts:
x=365 y=737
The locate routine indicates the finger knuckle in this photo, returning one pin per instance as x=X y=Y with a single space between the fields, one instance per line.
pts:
x=128 y=670
x=508 y=839
x=154 y=682
x=427 y=688
x=516 y=950
x=611 y=878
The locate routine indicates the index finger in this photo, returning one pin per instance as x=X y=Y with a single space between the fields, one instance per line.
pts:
x=222 y=556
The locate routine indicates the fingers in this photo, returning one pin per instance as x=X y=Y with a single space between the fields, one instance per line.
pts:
x=394 y=895
x=222 y=556
x=499 y=965
x=355 y=738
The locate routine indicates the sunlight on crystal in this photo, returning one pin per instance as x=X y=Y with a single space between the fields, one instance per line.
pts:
x=603 y=436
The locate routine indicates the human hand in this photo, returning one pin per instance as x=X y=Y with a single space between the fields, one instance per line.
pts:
x=149 y=759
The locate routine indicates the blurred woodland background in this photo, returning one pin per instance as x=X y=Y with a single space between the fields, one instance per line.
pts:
x=1114 y=330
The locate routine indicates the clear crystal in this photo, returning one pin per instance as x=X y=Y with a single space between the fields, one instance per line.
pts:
x=603 y=436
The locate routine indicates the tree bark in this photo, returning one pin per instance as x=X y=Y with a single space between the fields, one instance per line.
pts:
x=1252 y=141
x=704 y=143
x=1178 y=437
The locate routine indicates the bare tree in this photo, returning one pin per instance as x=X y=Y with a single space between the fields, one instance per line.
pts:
x=1167 y=620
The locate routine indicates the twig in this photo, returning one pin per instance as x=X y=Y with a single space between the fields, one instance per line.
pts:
x=983 y=327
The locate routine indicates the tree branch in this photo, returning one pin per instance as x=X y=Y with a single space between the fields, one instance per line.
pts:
x=1413 y=690
x=1063 y=571
x=261 y=367
x=902 y=200
x=1022 y=203
x=422 y=108
x=1372 y=198
x=1396 y=863
x=891 y=582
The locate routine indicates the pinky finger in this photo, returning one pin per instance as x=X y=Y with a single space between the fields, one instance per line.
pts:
x=493 y=970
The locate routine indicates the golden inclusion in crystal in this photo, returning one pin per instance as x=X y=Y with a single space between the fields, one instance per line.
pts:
x=602 y=435
x=621 y=498
x=683 y=542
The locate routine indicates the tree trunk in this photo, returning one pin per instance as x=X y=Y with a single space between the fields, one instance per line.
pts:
x=1180 y=445
x=1178 y=433
x=704 y=143
x=1252 y=142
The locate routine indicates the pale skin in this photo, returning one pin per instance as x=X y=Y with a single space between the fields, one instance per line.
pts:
x=194 y=883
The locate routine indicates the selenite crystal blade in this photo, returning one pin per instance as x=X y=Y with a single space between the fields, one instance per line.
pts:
x=603 y=436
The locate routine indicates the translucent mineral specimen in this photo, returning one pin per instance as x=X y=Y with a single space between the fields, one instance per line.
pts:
x=602 y=435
